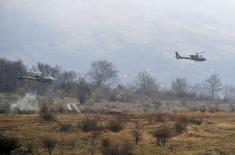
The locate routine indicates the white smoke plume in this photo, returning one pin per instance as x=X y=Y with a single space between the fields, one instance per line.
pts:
x=27 y=103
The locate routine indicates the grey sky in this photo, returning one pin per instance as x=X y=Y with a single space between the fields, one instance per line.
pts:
x=134 y=34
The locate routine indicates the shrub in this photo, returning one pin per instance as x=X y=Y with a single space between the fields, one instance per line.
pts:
x=90 y=142
x=4 y=106
x=46 y=112
x=105 y=145
x=71 y=143
x=30 y=147
x=64 y=127
x=172 y=147
x=126 y=148
x=162 y=135
x=213 y=109
x=202 y=109
x=110 y=148
x=221 y=151
x=115 y=125
x=49 y=144
x=157 y=104
x=195 y=120
x=8 y=144
x=194 y=109
x=232 y=109
x=158 y=117
x=137 y=124
x=181 y=122
x=89 y=124
x=137 y=136
x=180 y=126
x=20 y=151
x=182 y=118
x=59 y=108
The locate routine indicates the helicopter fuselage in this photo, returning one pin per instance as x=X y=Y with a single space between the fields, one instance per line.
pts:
x=37 y=77
x=195 y=57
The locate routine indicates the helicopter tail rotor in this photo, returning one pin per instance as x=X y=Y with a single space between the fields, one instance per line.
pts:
x=177 y=55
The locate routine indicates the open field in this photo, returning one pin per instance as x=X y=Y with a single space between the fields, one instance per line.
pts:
x=214 y=135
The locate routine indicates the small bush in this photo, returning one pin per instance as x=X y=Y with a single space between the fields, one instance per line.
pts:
x=8 y=144
x=64 y=127
x=49 y=144
x=158 y=117
x=137 y=124
x=157 y=103
x=182 y=118
x=60 y=108
x=162 y=135
x=46 y=112
x=110 y=148
x=137 y=136
x=4 y=106
x=232 y=109
x=180 y=126
x=71 y=143
x=172 y=147
x=202 y=109
x=30 y=147
x=89 y=124
x=181 y=122
x=194 y=109
x=195 y=120
x=115 y=125
x=213 y=109
x=20 y=151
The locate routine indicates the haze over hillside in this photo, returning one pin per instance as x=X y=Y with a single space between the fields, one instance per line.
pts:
x=134 y=34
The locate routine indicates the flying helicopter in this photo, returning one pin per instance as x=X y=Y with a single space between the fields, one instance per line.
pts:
x=36 y=76
x=195 y=57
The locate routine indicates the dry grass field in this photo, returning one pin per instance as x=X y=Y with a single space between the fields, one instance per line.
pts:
x=85 y=134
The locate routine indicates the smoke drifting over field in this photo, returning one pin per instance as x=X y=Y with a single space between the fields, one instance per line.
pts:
x=27 y=103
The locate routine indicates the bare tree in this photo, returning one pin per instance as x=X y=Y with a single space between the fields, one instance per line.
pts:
x=194 y=90
x=8 y=74
x=47 y=70
x=146 y=84
x=229 y=93
x=102 y=73
x=197 y=90
x=66 y=81
x=180 y=87
x=83 y=89
x=213 y=85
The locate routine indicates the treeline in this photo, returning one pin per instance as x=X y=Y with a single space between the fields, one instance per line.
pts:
x=102 y=82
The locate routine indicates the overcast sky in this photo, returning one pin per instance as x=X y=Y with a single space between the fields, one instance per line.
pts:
x=134 y=34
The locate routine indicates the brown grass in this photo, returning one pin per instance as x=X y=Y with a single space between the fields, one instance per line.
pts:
x=214 y=135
